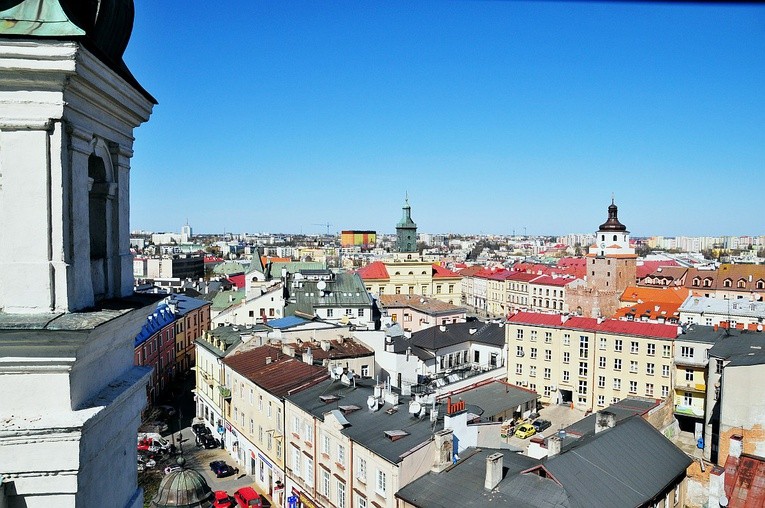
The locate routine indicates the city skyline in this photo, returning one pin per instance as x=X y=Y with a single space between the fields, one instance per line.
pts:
x=493 y=116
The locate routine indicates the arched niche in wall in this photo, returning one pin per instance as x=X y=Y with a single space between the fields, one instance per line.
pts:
x=102 y=219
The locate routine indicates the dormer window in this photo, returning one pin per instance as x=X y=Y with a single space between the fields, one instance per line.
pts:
x=708 y=282
x=696 y=281
x=741 y=283
x=727 y=283
x=760 y=284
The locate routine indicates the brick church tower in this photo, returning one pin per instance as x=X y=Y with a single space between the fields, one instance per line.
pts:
x=611 y=268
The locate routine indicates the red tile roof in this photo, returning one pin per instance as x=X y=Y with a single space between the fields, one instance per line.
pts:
x=648 y=267
x=548 y=280
x=656 y=330
x=442 y=272
x=637 y=294
x=374 y=271
x=471 y=270
x=283 y=376
x=237 y=280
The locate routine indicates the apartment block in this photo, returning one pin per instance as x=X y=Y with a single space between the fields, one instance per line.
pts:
x=589 y=362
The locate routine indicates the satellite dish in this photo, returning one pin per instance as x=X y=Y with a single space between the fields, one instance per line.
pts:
x=415 y=407
x=372 y=403
x=338 y=371
x=345 y=380
x=321 y=285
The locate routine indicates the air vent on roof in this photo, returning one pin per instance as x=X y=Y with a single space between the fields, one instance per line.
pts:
x=328 y=398
x=391 y=410
x=349 y=408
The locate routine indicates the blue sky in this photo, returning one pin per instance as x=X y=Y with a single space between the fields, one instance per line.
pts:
x=494 y=116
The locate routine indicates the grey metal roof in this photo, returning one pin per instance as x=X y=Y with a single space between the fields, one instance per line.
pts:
x=344 y=290
x=621 y=410
x=462 y=485
x=738 y=307
x=367 y=428
x=627 y=465
x=734 y=343
x=437 y=337
x=496 y=397
x=701 y=334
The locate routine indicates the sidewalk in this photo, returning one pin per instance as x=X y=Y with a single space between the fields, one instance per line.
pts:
x=199 y=459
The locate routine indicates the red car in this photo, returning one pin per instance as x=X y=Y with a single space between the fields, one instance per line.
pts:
x=246 y=496
x=221 y=499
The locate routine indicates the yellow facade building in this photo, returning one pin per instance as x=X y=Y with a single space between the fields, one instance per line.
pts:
x=412 y=277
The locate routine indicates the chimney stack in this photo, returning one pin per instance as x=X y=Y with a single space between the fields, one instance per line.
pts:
x=553 y=445
x=494 y=466
x=604 y=420
x=736 y=445
x=443 y=450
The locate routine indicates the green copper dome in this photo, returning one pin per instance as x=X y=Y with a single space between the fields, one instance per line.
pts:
x=183 y=489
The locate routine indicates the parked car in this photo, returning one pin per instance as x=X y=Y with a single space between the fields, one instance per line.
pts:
x=541 y=425
x=200 y=428
x=208 y=441
x=246 y=496
x=525 y=430
x=221 y=499
x=221 y=469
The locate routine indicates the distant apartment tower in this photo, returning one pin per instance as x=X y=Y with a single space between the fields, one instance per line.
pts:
x=353 y=238
x=186 y=233
x=611 y=267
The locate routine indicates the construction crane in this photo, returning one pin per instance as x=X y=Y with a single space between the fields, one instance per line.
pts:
x=326 y=224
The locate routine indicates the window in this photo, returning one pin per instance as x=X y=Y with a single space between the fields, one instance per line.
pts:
x=665 y=370
x=566 y=339
x=533 y=335
x=380 y=484
x=341 y=454
x=617 y=383
x=260 y=403
x=519 y=334
x=325 y=444
x=361 y=313
x=365 y=371
x=252 y=426
x=546 y=391
x=340 y=494
x=532 y=370
x=689 y=375
x=533 y=354
x=519 y=368
x=602 y=344
x=718 y=366
x=686 y=352
x=252 y=397
x=269 y=409
x=664 y=391
x=361 y=501
x=582 y=387
x=548 y=355
x=330 y=312
x=583 y=346
x=633 y=366
x=617 y=364
x=361 y=470
x=582 y=369
x=618 y=345
x=666 y=351
x=633 y=347
x=296 y=461
x=547 y=374
x=548 y=337
x=602 y=362
x=260 y=433
x=601 y=400
x=649 y=389
x=325 y=482
x=651 y=347
x=566 y=357
x=308 y=432
x=649 y=369
x=565 y=376
x=727 y=283
x=633 y=386
x=601 y=381
x=519 y=351
x=309 y=470
x=348 y=312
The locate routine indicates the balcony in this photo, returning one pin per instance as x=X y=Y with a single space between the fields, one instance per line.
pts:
x=682 y=409
x=688 y=386
x=690 y=362
x=225 y=392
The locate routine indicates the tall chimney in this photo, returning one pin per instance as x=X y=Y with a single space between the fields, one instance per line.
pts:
x=494 y=466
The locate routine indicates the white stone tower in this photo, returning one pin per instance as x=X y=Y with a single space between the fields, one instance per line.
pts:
x=70 y=397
